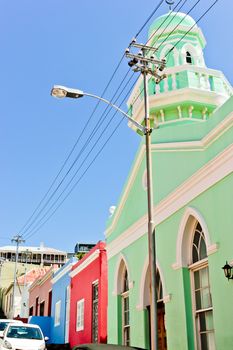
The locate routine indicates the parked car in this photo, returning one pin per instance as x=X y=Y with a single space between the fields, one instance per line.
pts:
x=97 y=346
x=3 y=324
x=23 y=337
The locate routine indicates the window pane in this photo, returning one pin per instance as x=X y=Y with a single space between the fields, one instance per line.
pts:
x=205 y=297
x=204 y=277
x=204 y=342
x=202 y=321
x=210 y=340
x=209 y=321
x=203 y=253
x=198 y=300
x=197 y=279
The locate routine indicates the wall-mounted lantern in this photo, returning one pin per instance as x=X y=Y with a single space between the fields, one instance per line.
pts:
x=228 y=271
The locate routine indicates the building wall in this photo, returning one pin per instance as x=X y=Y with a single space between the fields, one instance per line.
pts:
x=192 y=178
x=42 y=292
x=59 y=291
x=81 y=288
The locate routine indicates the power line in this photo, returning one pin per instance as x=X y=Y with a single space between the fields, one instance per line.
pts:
x=36 y=229
x=85 y=127
x=166 y=18
x=197 y=2
x=149 y=18
x=199 y=19
x=94 y=131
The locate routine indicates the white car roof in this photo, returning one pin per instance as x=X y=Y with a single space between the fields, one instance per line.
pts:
x=30 y=325
x=10 y=321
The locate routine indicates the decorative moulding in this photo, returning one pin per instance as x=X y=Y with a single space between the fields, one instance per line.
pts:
x=213 y=248
x=213 y=135
x=199 y=182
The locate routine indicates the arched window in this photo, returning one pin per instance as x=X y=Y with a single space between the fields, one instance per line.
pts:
x=125 y=309
x=203 y=308
x=188 y=57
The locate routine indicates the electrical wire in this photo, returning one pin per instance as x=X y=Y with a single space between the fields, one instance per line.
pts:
x=36 y=229
x=165 y=20
x=165 y=39
x=85 y=159
x=82 y=132
x=199 y=19
x=149 y=18
x=94 y=131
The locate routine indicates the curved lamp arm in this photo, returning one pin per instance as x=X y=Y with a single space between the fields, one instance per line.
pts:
x=60 y=91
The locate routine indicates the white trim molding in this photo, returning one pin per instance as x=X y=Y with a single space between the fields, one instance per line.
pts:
x=207 y=176
x=61 y=273
x=83 y=264
x=121 y=263
x=141 y=303
x=211 y=137
x=184 y=238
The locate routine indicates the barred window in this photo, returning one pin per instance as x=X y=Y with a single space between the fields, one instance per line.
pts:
x=95 y=303
x=80 y=315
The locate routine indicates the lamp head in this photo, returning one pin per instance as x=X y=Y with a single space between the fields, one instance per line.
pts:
x=227 y=271
x=60 y=91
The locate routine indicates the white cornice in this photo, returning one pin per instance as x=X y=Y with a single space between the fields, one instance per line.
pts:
x=85 y=263
x=62 y=273
x=212 y=136
x=203 y=179
x=177 y=97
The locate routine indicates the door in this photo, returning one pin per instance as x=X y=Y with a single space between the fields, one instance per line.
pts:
x=162 y=338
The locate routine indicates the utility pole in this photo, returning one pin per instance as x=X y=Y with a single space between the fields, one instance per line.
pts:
x=16 y=239
x=145 y=64
x=2 y=260
x=27 y=253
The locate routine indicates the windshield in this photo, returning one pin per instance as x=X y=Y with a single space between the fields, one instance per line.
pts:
x=21 y=332
x=3 y=325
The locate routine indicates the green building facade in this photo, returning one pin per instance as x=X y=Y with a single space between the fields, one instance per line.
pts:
x=192 y=156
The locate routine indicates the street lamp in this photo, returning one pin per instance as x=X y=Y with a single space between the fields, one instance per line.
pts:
x=228 y=271
x=59 y=91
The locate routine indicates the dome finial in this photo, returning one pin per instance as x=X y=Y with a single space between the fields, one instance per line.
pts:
x=170 y=3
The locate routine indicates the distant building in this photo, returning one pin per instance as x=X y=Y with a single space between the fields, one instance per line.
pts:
x=83 y=247
x=21 y=293
x=40 y=294
x=34 y=255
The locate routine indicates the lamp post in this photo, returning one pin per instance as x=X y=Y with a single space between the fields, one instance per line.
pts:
x=16 y=239
x=59 y=91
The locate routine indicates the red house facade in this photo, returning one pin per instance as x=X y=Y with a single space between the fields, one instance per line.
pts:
x=88 y=298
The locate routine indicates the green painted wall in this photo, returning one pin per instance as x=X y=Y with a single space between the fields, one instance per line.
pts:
x=172 y=166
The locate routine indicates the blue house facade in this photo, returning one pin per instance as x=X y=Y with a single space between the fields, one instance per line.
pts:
x=60 y=314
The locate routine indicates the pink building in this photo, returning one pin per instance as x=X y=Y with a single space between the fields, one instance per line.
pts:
x=88 y=298
x=40 y=293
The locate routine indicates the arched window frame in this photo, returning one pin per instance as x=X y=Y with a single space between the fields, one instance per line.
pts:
x=193 y=51
x=201 y=294
x=125 y=308
x=189 y=58
x=175 y=53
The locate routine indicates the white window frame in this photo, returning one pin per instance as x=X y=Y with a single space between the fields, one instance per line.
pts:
x=193 y=267
x=80 y=315
x=57 y=316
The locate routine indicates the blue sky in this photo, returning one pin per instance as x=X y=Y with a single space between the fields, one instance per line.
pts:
x=78 y=44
